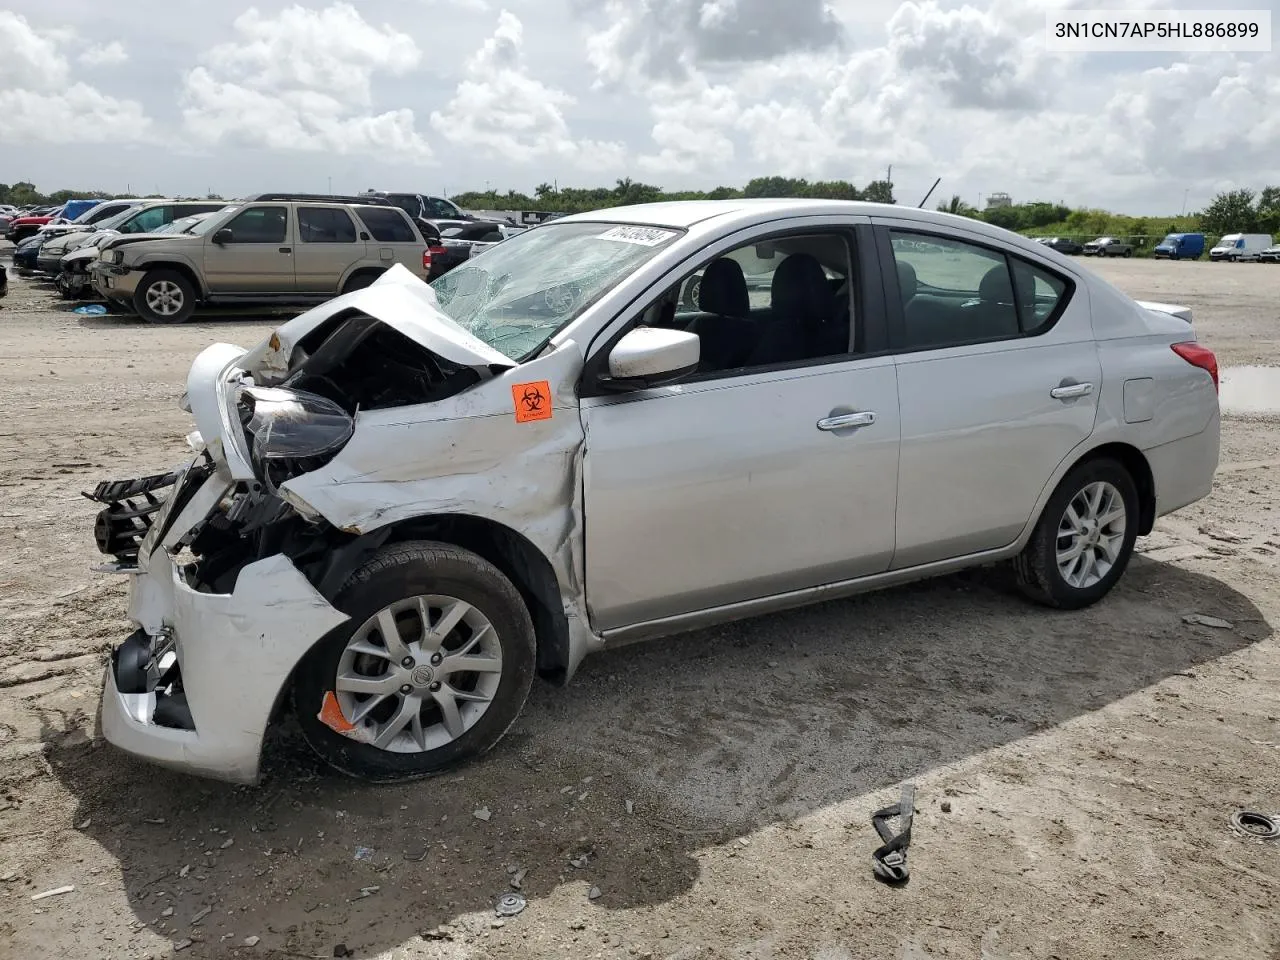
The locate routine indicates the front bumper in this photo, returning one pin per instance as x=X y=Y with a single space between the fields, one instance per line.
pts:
x=114 y=282
x=195 y=685
x=234 y=654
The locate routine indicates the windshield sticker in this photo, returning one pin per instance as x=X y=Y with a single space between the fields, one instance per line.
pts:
x=533 y=401
x=644 y=236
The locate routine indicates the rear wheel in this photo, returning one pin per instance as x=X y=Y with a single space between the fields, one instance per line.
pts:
x=164 y=296
x=431 y=670
x=1084 y=539
x=1128 y=252
x=359 y=281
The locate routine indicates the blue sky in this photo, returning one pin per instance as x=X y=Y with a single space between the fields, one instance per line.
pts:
x=448 y=95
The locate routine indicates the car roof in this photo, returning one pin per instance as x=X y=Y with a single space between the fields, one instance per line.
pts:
x=682 y=214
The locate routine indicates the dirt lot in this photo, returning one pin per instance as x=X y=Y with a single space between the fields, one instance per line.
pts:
x=716 y=789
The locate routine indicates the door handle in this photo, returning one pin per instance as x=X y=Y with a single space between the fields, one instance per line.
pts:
x=1069 y=391
x=846 y=421
x=286 y=249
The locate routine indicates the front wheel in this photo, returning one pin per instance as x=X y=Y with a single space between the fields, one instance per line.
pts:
x=431 y=670
x=164 y=296
x=1083 y=540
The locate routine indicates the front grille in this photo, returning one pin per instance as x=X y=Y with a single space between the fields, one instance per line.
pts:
x=130 y=506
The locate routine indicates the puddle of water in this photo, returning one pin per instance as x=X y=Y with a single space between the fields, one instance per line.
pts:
x=1249 y=390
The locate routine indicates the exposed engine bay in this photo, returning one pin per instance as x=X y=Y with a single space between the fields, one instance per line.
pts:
x=293 y=424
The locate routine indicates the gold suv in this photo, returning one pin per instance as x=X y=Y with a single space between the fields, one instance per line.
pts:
x=269 y=250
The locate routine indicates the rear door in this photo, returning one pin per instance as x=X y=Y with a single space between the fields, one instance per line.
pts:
x=998 y=381
x=392 y=238
x=328 y=244
x=257 y=257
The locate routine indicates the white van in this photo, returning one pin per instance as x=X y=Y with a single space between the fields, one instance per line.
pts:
x=1240 y=246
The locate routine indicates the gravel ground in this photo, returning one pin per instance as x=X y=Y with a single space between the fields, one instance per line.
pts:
x=1076 y=771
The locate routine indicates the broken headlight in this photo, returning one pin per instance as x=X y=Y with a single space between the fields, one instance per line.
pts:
x=291 y=431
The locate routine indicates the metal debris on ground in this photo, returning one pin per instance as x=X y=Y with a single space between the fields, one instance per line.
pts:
x=889 y=861
x=510 y=904
x=1264 y=826
x=56 y=892
x=1199 y=619
x=363 y=853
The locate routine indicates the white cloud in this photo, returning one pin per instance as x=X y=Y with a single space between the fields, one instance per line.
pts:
x=302 y=80
x=503 y=111
x=29 y=59
x=105 y=55
x=692 y=123
x=40 y=102
x=476 y=6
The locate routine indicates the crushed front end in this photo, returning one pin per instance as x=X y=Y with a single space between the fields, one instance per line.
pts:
x=230 y=581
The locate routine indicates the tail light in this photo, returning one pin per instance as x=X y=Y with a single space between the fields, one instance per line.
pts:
x=436 y=250
x=1199 y=356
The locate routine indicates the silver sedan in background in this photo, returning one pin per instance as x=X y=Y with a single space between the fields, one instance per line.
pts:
x=407 y=502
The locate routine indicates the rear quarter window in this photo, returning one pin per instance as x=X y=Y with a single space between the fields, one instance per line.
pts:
x=387 y=224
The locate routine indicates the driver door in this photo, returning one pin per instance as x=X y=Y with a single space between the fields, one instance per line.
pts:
x=739 y=484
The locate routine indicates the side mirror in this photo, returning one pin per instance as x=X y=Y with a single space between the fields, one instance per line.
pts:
x=222 y=236
x=651 y=356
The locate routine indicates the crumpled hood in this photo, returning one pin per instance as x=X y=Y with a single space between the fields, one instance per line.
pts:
x=120 y=239
x=401 y=301
x=397 y=298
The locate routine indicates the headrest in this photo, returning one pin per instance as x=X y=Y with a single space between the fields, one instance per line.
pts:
x=723 y=289
x=800 y=290
x=907 y=282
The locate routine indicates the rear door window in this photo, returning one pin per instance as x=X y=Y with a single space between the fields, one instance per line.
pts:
x=325 y=225
x=387 y=224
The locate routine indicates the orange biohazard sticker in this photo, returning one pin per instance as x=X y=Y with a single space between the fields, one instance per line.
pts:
x=331 y=715
x=533 y=401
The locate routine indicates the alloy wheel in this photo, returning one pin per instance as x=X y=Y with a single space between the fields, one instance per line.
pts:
x=165 y=298
x=419 y=673
x=1091 y=534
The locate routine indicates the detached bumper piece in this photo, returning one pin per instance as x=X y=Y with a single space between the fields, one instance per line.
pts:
x=120 y=528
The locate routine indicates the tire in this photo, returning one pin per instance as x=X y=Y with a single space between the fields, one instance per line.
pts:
x=1127 y=253
x=1037 y=569
x=161 y=289
x=359 y=281
x=399 y=573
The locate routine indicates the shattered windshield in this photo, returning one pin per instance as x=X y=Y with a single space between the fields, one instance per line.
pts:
x=519 y=292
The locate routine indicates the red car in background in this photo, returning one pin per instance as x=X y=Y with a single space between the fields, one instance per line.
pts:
x=22 y=227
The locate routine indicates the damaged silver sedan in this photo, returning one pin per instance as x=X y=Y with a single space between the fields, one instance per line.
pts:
x=406 y=503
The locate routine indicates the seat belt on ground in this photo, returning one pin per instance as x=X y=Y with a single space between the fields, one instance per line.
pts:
x=890 y=860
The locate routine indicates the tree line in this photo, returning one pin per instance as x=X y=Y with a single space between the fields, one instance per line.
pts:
x=1240 y=210
x=553 y=198
x=1235 y=211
